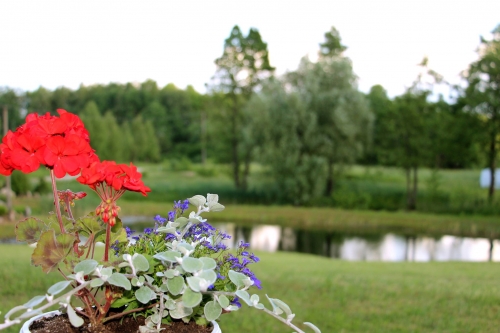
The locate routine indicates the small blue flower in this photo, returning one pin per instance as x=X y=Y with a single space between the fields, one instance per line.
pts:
x=148 y=231
x=236 y=301
x=254 y=258
x=129 y=231
x=171 y=215
x=244 y=245
x=160 y=219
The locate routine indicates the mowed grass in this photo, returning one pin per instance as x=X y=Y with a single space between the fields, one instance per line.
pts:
x=337 y=296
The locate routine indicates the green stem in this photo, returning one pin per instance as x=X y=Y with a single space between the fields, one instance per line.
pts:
x=106 y=246
x=56 y=201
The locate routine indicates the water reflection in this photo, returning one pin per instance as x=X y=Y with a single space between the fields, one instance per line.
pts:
x=388 y=247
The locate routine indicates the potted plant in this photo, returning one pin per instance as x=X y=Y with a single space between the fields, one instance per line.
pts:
x=177 y=276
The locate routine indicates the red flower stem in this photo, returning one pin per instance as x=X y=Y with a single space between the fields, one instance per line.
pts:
x=106 y=246
x=56 y=201
x=68 y=208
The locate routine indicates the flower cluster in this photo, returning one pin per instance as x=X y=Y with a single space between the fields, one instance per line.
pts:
x=178 y=270
x=59 y=143
x=110 y=180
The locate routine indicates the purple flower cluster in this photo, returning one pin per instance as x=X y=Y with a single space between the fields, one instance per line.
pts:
x=179 y=208
x=240 y=265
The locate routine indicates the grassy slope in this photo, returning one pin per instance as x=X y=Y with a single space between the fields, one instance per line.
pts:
x=337 y=296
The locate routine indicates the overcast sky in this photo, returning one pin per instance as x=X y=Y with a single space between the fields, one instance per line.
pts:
x=67 y=43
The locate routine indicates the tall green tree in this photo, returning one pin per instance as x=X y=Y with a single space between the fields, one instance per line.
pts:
x=329 y=89
x=482 y=97
x=319 y=121
x=407 y=142
x=240 y=70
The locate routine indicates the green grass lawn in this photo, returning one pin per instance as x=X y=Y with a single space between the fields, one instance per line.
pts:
x=335 y=295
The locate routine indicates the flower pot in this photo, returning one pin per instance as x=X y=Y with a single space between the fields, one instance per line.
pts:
x=26 y=326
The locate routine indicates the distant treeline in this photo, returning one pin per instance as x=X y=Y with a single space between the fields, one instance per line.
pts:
x=304 y=126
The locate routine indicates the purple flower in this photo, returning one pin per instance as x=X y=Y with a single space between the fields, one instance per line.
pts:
x=222 y=277
x=245 y=253
x=244 y=245
x=170 y=237
x=148 y=231
x=171 y=215
x=160 y=219
x=129 y=231
x=236 y=302
x=184 y=206
x=254 y=258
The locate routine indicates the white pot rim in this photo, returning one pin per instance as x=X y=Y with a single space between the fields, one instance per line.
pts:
x=26 y=326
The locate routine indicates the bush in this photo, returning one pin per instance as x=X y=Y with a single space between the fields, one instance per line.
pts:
x=42 y=187
x=20 y=183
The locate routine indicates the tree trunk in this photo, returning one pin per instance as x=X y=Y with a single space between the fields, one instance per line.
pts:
x=329 y=180
x=408 y=188
x=415 y=187
x=203 y=134
x=492 y=165
x=234 y=144
x=411 y=188
x=246 y=170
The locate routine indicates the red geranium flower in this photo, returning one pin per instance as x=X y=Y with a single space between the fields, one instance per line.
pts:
x=60 y=143
x=110 y=180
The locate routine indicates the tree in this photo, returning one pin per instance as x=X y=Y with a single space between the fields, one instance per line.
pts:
x=329 y=89
x=286 y=135
x=482 y=96
x=407 y=142
x=98 y=132
x=240 y=70
x=320 y=120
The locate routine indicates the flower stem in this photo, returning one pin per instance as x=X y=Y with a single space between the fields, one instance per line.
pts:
x=56 y=201
x=106 y=246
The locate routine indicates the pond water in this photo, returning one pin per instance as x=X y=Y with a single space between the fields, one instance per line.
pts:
x=358 y=247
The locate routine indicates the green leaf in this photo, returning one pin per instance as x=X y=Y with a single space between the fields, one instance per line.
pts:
x=209 y=276
x=191 y=299
x=208 y=263
x=170 y=256
x=73 y=318
x=238 y=278
x=29 y=230
x=212 y=198
x=169 y=273
x=212 y=310
x=123 y=300
x=51 y=250
x=180 y=311
x=242 y=294
x=194 y=283
x=119 y=280
x=283 y=306
x=223 y=301
x=58 y=287
x=89 y=224
x=314 y=328
x=86 y=266
x=182 y=221
x=276 y=309
x=96 y=282
x=34 y=302
x=191 y=265
x=217 y=207
x=166 y=230
x=140 y=262
x=197 y=200
x=176 y=285
x=143 y=294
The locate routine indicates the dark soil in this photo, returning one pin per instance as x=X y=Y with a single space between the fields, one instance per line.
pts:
x=61 y=324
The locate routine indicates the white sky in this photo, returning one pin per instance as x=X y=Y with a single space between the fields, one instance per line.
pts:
x=69 y=42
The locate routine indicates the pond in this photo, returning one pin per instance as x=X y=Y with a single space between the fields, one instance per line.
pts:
x=357 y=247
